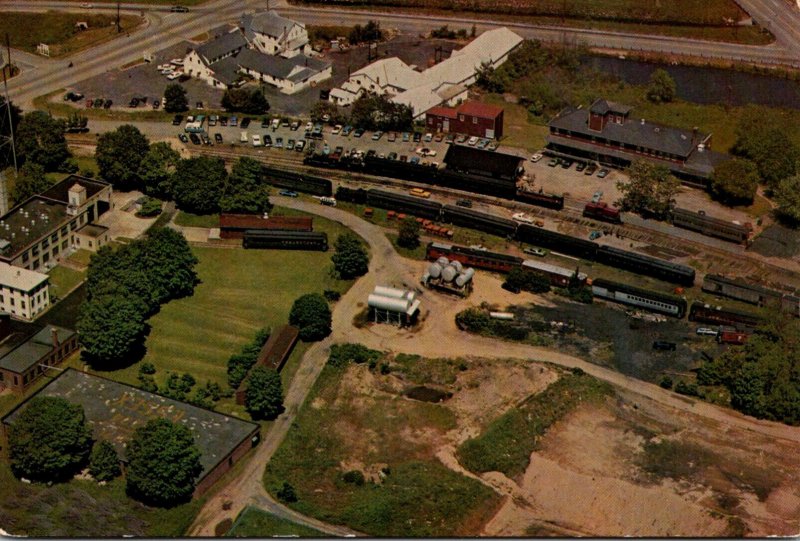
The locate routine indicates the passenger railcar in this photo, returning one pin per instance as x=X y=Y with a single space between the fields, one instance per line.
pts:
x=654 y=301
x=712 y=227
x=558 y=242
x=649 y=266
x=358 y=196
x=602 y=211
x=481 y=221
x=404 y=203
x=705 y=313
x=547 y=200
x=286 y=240
x=736 y=288
x=297 y=181
x=480 y=259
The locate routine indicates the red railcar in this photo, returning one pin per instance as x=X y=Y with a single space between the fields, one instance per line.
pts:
x=480 y=259
x=602 y=211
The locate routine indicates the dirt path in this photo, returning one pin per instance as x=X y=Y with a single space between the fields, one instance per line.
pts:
x=437 y=337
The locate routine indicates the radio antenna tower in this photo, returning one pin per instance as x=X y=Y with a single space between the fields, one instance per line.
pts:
x=5 y=110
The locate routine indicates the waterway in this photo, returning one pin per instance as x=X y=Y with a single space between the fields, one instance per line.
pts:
x=706 y=85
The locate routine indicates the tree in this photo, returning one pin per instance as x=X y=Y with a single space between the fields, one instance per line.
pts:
x=109 y=326
x=312 y=315
x=252 y=102
x=240 y=363
x=761 y=136
x=735 y=181
x=321 y=109
x=30 y=181
x=263 y=398
x=163 y=463
x=175 y=100
x=49 y=440
x=650 y=189
x=168 y=261
x=408 y=236
x=119 y=155
x=351 y=259
x=787 y=195
x=104 y=462
x=369 y=32
x=40 y=139
x=286 y=493
x=197 y=184
x=157 y=167
x=662 y=87
x=527 y=280
x=372 y=112
x=245 y=191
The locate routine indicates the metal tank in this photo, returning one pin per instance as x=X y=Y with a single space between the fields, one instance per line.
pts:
x=443 y=261
x=448 y=273
x=392 y=292
x=388 y=303
x=435 y=270
x=457 y=265
x=465 y=277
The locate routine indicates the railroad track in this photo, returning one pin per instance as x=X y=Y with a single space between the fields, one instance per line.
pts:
x=571 y=221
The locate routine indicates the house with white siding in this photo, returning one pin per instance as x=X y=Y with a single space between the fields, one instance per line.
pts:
x=275 y=35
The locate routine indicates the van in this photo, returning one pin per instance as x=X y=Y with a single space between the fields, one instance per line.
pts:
x=329 y=201
x=243 y=137
x=662 y=345
x=276 y=123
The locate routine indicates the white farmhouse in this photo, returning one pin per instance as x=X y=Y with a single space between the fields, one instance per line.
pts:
x=210 y=61
x=290 y=75
x=273 y=34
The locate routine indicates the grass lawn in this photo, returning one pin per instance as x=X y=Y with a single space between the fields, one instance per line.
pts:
x=417 y=253
x=240 y=291
x=57 y=29
x=63 y=279
x=520 y=128
x=187 y=219
x=253 y=522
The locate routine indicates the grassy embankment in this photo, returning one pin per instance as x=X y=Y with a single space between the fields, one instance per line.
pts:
x=506 y=445
x=27 y=30
x=253 y=522
x=342 y=427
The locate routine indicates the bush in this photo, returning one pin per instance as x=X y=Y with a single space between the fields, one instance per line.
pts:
x=351 y=259
x=473 y=320
x=342 y=354
x=331 y=295
x=150 y=207
x=239 y=364
x=527 y=280
x=147 y=368
x=354 y=477
x=312 y=315
x=104 y=462
x=688 y=389
x=666 y=382
x=263 y=398
x=286 y=493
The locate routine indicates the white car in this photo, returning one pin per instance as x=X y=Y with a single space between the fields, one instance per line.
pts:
x=705 y=331
x=87 y=6
x=256 y=140
x=472 y=141
x=522 y=217
x=309 y=126
x=172 y=76
x=336 y=129
x=536 y=157
x=177 y=61
x=165 y=67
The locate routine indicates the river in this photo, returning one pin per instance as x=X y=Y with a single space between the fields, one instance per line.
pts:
x=706 y=85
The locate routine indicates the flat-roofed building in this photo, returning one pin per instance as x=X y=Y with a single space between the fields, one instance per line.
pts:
x=23 y=293
x=91 y=237
x=24 y=357
x=40 y=231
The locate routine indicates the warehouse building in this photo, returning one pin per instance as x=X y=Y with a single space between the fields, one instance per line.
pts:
x=233 y=226
x=607 y=133
x=470 y=118
x=392 y=305
x=114 y=410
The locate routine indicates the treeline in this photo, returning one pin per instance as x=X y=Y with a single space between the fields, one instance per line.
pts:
x=368 y=112
x=763 y=376
x=126 y=286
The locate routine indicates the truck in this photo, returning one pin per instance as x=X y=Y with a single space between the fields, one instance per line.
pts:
x=243 y=137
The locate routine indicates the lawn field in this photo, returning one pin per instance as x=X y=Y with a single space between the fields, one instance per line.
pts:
x=240 y=291
x=56 y=29
x=187 y=219
x=253 y=522
x=63 y=279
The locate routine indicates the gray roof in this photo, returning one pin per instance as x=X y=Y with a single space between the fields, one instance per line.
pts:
x=602 y=107
x=19 y=356
x=268 y=23
x=226 y=71
x=223 y=45
x=632 y=132
x=280 y=67
x=114 y=410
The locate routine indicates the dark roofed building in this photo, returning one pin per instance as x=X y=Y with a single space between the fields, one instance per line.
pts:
x=114 y=410
x=466 y=159
x=605 y=132
x=288 y=74
x=471 y=118
x=221 y=47
x=25 y=355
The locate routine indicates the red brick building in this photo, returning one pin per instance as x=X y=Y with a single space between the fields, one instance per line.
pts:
x=233 y=226
x=470 y=118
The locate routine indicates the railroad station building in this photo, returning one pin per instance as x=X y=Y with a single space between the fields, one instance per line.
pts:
x=114 y=410
x=470 y=118
x=608 y=133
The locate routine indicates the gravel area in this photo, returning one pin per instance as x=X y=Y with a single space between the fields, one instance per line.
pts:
x=777 y=241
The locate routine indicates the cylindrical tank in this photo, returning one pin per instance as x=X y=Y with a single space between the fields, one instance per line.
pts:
x=435 y=270
x=443 y=261
x=457 y=265
x=387 y=303
x=465 y=277
x=448 y=273
x=425 y=277
x=410 y=295
x=501 y=315
x=389 y=292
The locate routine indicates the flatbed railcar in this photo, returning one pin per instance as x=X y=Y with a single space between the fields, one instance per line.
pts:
x=404 y=203
x=653 y=301
x=710 y=226
x=706 y=313
x=547 y=200
x=297 y=181
x=481 y=221
x=558 y=242
x=649 y=266
x=286 y=240
x=480 y=259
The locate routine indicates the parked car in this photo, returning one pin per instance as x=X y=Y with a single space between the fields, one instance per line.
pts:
x=174 y=75
x=580 y=167
x=377 y=135
x=553 y=162
x=705 y=331
x=290 y=144
x=522 y=217
x=265 y=122
x=108 y=104
x=267 y=140
x=414 y=160
x=256 y=140
x=198 y=105
x=134 y=103
x=603 y=173
x=403 y=158
x=206 y=139
x=428 y=137
x=177 y=119
x=566 y=164
x=417 y=137
x=406 y=136
x=183 y=138
x=194 y=138
x=663 y=345
x=537 y=157
x=464 y=203
x=393 y=155
x=179 y=9
x=288 y=193
x=300 y=145
x=482 y=143
x=595 y=235
x=279 y=142
x=419 y=192
x=392 y=137
x=276 y=123
x=450 y=139
x=539 y=252
x=358 y=133
x=347 y=130
x=285 y=122
x=218 y=138
x=309 y=126
x=336 y=129
x=245 y=122
x=461 y=138
x=212 y=120
x=156 y=103
x=73 y=96
x=590 y=169
x=223 y=121
x=233 y=121
x=472 y=141
x=438 y=137
x=492 y=146
x=295 y=125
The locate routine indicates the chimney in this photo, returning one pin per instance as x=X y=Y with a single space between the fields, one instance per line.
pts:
x=54 y=337
x=695 y=131
x=642 y=122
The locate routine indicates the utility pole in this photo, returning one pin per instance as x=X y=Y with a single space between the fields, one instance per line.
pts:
x=119 y=29
x=9 y=139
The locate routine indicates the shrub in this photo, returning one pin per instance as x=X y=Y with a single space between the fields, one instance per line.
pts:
x=286 y=493
x=342 y=354
x=354 y=477
x=104 y=462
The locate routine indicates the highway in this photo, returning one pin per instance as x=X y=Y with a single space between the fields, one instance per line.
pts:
x=163 y=29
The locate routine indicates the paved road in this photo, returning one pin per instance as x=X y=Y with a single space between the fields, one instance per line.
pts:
x=388 y=268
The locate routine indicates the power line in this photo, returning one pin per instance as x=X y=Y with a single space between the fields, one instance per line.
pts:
x=8 y=139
